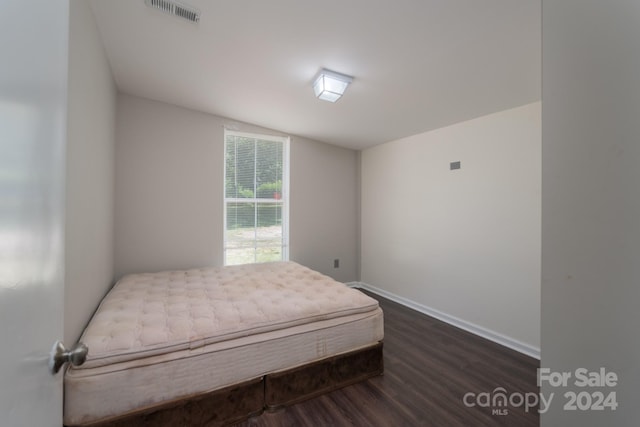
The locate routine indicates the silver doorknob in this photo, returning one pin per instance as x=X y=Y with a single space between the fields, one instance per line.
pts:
x=60 y=355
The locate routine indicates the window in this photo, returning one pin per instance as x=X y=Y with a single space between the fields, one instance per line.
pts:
x=256 y=225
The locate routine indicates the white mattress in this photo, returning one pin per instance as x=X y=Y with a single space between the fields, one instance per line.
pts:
x=164 y=336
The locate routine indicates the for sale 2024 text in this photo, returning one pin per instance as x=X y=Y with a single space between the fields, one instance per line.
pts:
x=596 y=388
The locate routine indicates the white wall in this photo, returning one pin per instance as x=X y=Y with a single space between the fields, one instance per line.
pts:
x=463 y=242
x=90 y=172
x=591 y=202
x=324 y=208
x=169 y=183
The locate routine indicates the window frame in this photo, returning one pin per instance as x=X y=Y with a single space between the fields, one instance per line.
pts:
x=284 y=196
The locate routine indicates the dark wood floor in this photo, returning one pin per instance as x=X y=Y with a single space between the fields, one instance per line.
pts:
x=429 y=367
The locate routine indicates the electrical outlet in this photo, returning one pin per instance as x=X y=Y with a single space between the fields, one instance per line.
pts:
x=336 y=263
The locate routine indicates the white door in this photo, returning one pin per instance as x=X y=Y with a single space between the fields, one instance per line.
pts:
x=33 y=93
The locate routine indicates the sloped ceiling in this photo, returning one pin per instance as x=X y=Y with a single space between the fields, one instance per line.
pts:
x=418 y=65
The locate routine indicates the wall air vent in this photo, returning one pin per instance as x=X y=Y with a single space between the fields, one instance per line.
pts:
x=175 y=8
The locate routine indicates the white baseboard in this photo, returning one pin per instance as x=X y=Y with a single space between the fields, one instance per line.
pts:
x=452 y=320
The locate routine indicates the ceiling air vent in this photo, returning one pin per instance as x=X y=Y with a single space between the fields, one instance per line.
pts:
x=174 y=8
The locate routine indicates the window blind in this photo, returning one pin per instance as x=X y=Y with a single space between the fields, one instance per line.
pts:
x=255 y=198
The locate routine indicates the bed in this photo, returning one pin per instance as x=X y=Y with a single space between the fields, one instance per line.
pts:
x=214 y=346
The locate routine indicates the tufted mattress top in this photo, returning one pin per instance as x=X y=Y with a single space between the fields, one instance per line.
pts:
x=157 y=313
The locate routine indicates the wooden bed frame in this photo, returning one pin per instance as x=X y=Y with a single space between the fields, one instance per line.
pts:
x=273 y=391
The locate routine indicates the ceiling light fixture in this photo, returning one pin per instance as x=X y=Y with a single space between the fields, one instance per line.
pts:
x=329 y=85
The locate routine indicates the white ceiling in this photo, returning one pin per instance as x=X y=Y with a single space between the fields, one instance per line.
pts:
x=417 y=64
